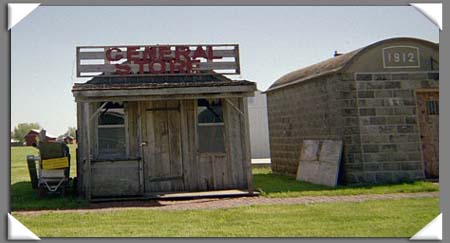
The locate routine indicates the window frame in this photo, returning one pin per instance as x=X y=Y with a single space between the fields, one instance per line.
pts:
x=210 y=124
x=125 y=154
x=432 y=107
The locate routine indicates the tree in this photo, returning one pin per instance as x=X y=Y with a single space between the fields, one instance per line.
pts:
x=22 y=129
x=70 y=131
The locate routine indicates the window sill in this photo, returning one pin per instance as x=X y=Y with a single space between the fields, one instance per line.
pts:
x=114 y=159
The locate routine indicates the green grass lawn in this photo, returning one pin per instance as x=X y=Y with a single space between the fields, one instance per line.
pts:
x=386 y=218
x=275 y=185
x=23 y=197
x=378 y=218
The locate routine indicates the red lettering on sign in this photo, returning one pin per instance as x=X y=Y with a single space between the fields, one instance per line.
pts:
x=141 y=63
x=199 y=52
x=122 y=69
x=182 y=51
x=211 y=54
x=194 y=66
x=165 y=53
x=149 y=53
x=117 y=57
x=178 y=67
x=132 y=54
x=160 y=63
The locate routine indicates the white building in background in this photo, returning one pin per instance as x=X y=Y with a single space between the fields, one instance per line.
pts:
x=259 y=126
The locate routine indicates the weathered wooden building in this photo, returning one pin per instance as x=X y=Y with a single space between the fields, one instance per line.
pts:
x=382 y=100
x=141 y=134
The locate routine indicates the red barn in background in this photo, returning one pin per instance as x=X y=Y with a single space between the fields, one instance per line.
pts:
x=31 y=136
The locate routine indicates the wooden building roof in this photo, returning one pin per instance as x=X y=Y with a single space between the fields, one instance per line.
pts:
x=156 y=82
x=160 y=85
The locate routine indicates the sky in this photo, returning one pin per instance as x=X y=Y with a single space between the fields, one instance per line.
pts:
x=272 y=42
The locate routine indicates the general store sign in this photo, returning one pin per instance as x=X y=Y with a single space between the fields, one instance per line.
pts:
x=150 y=60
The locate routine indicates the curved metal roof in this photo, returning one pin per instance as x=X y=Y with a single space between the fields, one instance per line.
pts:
x=331 y=65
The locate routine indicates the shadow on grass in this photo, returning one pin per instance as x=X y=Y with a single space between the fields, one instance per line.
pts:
x=24 y=197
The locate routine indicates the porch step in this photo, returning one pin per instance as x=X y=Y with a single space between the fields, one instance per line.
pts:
x=183 y=195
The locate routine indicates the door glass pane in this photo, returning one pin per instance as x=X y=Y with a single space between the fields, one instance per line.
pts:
x=210 y=129
x=111 y=142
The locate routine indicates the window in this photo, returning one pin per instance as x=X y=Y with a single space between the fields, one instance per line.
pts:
x=210 y=128
x=433 y=107
x=111 y=131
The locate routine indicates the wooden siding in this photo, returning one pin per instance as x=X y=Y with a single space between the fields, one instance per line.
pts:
x=169 y=161
x=115 y=178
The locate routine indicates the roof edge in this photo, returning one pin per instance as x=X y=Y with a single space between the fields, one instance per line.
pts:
x=358 y=52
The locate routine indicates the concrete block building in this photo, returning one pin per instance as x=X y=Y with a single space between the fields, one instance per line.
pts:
x=381 y=100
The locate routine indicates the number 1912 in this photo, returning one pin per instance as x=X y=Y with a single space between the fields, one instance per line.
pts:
x=398 y=57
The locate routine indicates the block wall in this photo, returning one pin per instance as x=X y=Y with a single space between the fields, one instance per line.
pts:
x=373 y=113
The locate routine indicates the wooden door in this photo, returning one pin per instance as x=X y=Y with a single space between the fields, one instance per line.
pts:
x=163 y=167
x=428 y=114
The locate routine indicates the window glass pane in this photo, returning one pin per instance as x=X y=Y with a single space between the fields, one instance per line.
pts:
x=210 y=129
x=209 y=111
x=111 y=142
x=210 y=139
x=111 y=131
x=111 y=118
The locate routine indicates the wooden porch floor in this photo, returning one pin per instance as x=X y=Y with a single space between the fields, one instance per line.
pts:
x=183 y=195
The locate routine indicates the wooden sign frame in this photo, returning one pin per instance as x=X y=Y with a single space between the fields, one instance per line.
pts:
x=150 y=60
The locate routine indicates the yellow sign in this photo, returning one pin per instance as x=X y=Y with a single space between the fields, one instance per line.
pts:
x=56 y=163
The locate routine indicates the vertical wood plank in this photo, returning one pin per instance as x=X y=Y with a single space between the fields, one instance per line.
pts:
x=185 y=156
x=235 y=145
x=220 y=174
x=163 y=164
x=231 y=177
x=81 y=156
x=205 y=169
x=88 y=124
x=132 y=124
x=174 y=142
x=191 y=113
x=139 y=116
x=149 y=149
x=246 y=143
